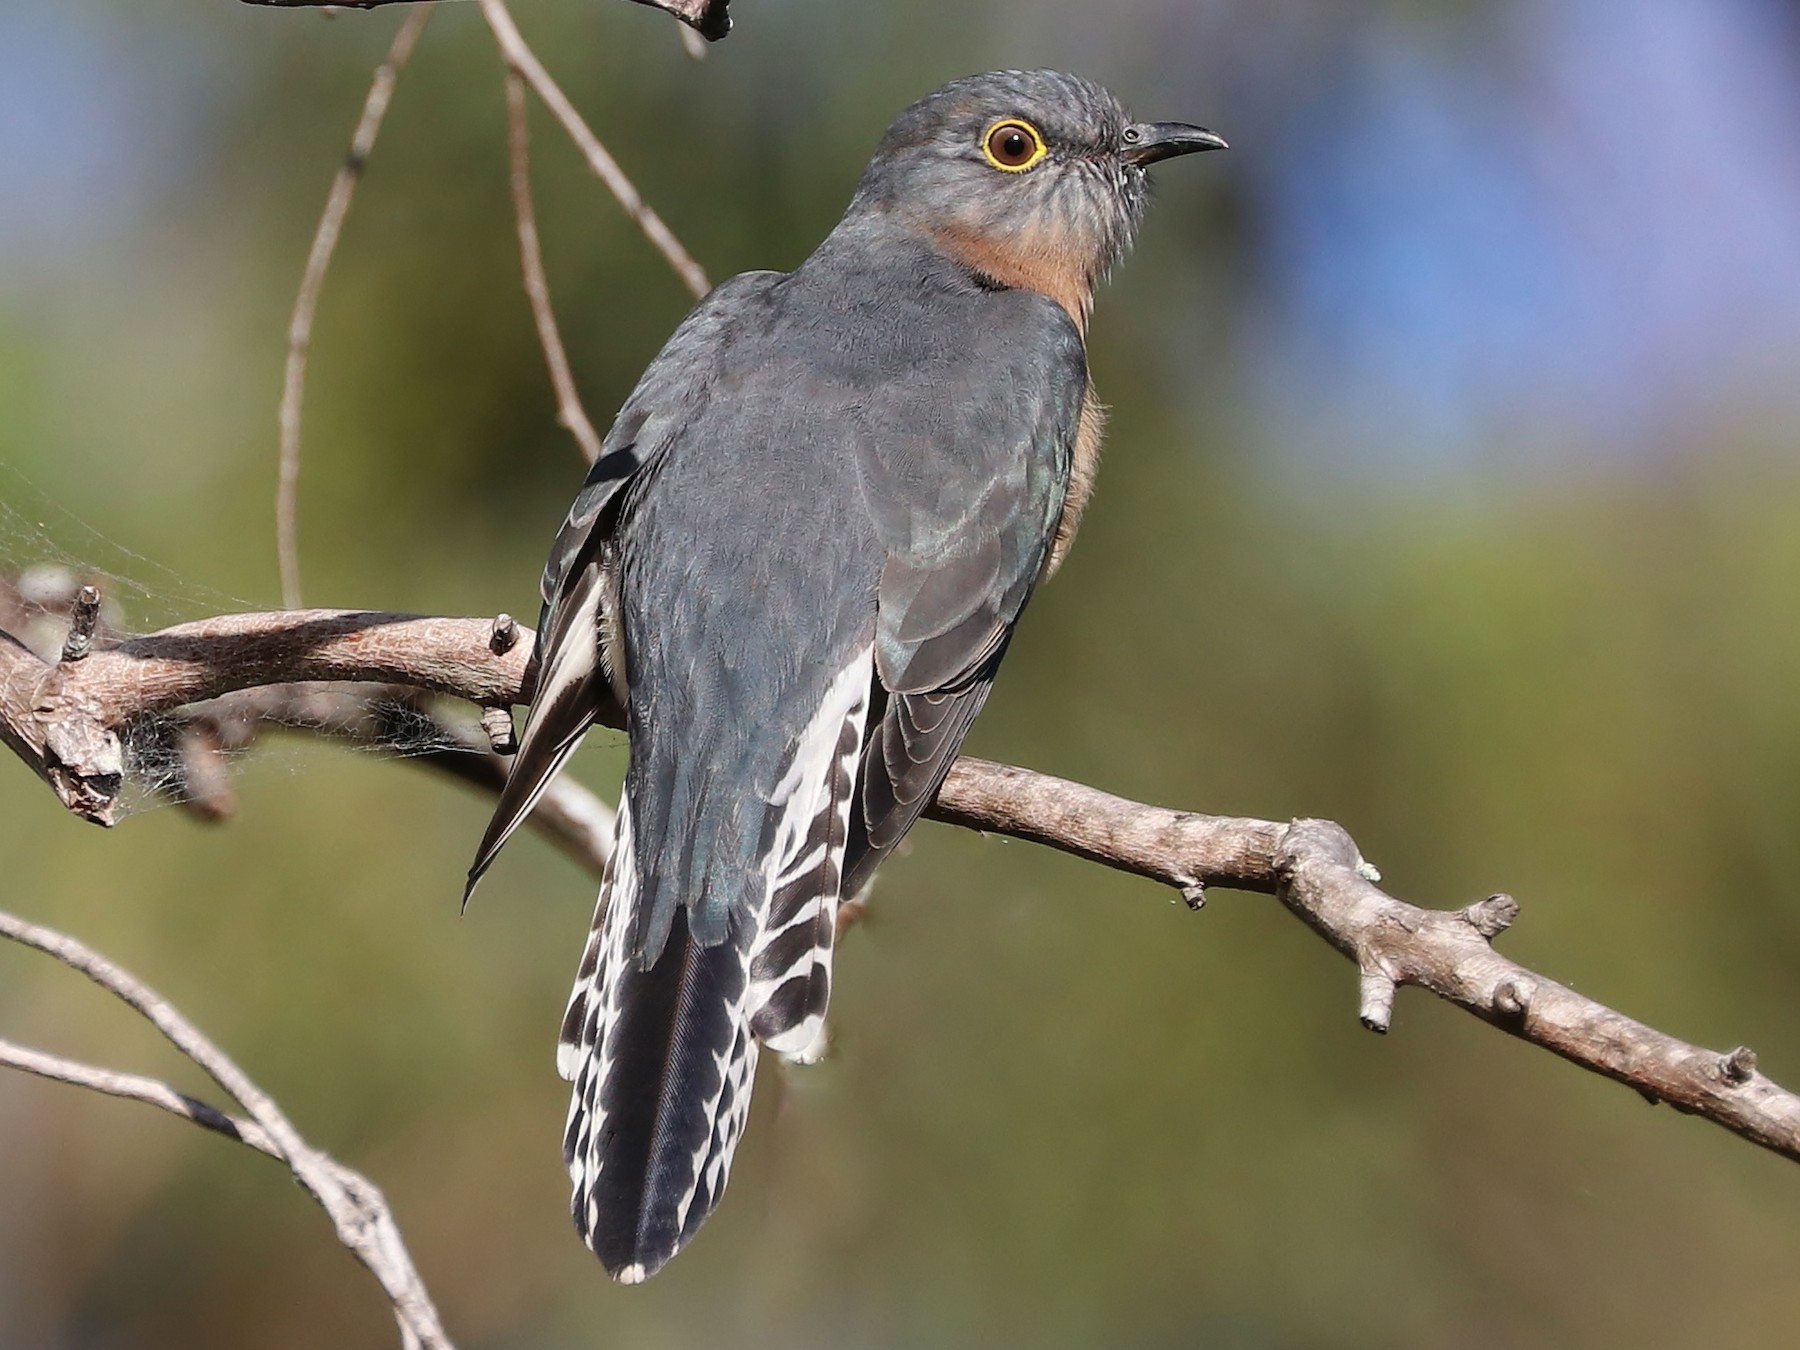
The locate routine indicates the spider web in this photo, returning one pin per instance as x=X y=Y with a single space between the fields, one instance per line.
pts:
x=187 y=756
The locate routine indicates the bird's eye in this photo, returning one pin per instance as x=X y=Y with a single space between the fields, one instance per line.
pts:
x=1013 y=145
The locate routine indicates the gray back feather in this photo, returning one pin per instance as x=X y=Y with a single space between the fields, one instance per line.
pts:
x=872 y=449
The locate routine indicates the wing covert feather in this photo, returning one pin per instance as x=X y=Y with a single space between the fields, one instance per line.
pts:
x=966 y=546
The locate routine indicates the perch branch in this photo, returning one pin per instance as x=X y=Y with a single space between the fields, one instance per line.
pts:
x=355 y=1206
x=523 y=62
x=1312 y=866
x=40 y=708
x=312 y=281
x=65 y=720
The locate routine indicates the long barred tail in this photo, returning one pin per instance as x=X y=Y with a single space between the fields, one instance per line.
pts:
x=662 y=1059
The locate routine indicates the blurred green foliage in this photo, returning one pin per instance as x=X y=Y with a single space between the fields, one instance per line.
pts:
x=1062 y=1110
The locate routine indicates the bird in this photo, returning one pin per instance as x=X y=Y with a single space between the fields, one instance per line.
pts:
x=796 y=565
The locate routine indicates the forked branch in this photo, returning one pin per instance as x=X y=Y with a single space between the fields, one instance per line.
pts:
x=523 y=67
x=356 y=1207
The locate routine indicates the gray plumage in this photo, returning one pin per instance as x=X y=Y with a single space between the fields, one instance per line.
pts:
x=799 y=560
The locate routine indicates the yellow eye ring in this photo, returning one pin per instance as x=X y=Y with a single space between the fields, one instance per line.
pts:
x=1013 y=145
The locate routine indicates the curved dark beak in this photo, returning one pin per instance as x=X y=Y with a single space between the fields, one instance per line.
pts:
x=1147 y=142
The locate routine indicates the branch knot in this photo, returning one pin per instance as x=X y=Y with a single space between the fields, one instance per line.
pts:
x=1512 y=1000
x=1378 y=990
x=498 y=724
x=1492 y=916
x=84 y=619
x=505 y=635
x=86 y=766
x=1739 y=1067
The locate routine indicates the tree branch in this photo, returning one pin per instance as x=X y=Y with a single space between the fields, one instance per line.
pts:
x=356 y=1207
x=1312 y=866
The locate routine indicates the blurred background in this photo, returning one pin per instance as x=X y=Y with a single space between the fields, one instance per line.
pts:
x=1451 y=493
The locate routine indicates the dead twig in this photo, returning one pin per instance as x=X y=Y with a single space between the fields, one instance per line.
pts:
x=569 y=411
x=709 y=18
x=137 y=1088
x=312 y=282
x=356 y=1207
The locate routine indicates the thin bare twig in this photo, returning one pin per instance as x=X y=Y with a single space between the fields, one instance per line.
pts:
x=569 y=411
x=520 y=58
x=1312 y=866
x=706 y=17
x=312 y=281
x=356 y=1207
x=137 y=1088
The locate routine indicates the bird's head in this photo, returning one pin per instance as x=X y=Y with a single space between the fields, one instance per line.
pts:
x=1030 y=179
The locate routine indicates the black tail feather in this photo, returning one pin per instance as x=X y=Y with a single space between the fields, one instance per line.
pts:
x=659 y=1111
